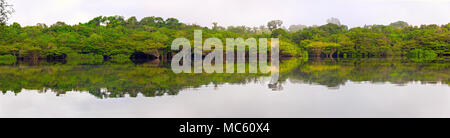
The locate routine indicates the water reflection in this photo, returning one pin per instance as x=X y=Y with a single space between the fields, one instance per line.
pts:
x=155 y=78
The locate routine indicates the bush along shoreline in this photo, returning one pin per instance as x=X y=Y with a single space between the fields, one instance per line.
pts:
x=7 y=59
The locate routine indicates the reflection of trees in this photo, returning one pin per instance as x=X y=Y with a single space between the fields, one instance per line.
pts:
x=109 y=80
x=276 y=87
x=105 y=81
x=335 y=73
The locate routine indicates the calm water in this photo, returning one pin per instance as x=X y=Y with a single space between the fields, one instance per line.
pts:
x=314 y=88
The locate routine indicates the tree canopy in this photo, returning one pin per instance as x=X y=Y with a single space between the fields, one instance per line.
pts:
x=117 y=36
x=5 y=11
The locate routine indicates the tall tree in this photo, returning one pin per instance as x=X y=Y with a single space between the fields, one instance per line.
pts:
x=172 y=23
x=132 y=22
x=5 y=11
x=399 y=24
x=295 y=28
x=214 y=25
x=274 y=24
x=333 y=20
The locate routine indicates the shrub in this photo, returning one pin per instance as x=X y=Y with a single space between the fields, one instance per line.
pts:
x=289 y=49
x=421 y=55
x=424 y=54
x=7 y=59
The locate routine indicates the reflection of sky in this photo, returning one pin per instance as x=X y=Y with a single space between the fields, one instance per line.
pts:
x=250 y=100
x=238 y=12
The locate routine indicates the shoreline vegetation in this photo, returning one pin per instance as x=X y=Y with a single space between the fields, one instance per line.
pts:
x=121 y=40
x=156 y=79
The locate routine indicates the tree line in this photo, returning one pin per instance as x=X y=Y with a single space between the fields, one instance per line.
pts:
x=115 y=37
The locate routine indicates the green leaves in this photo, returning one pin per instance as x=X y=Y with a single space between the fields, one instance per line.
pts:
x=7 y=59
x=419 y=55
x=57 y=51
x=5 y=12
x=319 y=47
x=290 y=49
x=113 y=35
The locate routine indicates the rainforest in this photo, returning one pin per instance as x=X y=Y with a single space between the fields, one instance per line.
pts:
x=67 y=59
x=119 y=39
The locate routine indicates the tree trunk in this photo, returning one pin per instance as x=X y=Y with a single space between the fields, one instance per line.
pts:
x=331 y=53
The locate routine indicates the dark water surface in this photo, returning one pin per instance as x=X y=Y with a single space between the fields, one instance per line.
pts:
x=313 y=88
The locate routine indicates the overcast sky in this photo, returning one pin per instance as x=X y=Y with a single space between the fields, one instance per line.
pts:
x=237 y=12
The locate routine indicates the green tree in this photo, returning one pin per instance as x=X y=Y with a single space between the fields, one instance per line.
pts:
x=399 y=24
x=5 y=11
x=333 y=20
x=274 y=24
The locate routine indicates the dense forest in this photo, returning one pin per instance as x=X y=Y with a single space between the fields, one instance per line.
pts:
x=345 y=51
x=118 y=38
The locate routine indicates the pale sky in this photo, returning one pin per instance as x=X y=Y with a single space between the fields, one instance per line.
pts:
x=237 y=12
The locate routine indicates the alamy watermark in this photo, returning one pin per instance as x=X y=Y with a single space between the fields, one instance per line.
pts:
x=236 y=51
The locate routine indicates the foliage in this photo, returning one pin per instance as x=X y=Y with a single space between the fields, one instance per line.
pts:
x=7 y=59
x=420 y=55
x=399 y=24
x=120 y=58
x=319 y=47
x=333 y=20
x=5 y=11
x=275 y=24
x=288 y=49
x=106 y=36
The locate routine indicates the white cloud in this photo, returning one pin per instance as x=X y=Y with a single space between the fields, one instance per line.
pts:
x=237 y=12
